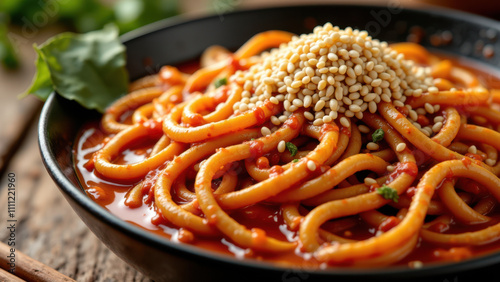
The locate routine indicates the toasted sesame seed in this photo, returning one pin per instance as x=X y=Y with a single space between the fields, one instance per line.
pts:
x=438 y=119
x=472 y=149
x=437 y=126
x=363 y=128
x=318 y=121
x=308 y=115
x=400 y=147
x=281 y=146
x=372 y=146
x=490 y=162
x=390 y=168
x=345 y=122
x=433 y=89
x=398 y=103
x=268 y=80
x=369 y=181
x=429 y=130
x=298 y=103
x=354 y=108
x=275 y=120
x=334 y=71
x=311 y=165
x=265 y=131
x=429 y=108
x=413 y=115
x=319 y=105
x=274 y=100
x=372 y=107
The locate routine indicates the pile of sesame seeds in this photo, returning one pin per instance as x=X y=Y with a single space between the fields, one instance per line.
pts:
x=332 y=72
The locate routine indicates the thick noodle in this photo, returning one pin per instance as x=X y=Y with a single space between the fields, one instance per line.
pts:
x=212 y=152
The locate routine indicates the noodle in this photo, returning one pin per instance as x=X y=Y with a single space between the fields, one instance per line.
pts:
x=330 y=147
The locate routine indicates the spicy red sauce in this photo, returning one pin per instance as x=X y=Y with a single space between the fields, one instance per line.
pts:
x=262 y=219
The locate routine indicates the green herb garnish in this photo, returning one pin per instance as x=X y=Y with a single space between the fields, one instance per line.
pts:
x=388 y=193
x=219 y=82
x=88 y=68
x=292 y=148
x=378 y=135
x=295 y=160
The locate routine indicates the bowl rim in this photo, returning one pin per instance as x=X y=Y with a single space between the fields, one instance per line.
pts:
x=154 y=240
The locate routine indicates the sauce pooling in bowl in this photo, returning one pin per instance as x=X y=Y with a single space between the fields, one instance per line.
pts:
x=321 y=152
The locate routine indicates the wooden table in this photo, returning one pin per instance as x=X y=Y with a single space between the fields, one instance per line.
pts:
x=47 y=229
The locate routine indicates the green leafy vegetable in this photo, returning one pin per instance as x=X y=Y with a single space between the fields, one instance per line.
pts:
x=378 y=135
x=88 y=15
x=292 y=148
x=8 y=56
x=131 y=14
x=88 y=68
x=388 y=193
x=219 y=82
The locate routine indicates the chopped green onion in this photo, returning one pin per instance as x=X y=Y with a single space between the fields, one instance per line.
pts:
x=378 y=135
x=292 y=148
x=388 y=193
x=219 y=82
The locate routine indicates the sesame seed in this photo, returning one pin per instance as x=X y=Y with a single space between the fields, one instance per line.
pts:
x=335 y=71
x=281 y=146
x=433 y=89
x=327 y=119
x=274 y=100
x=400 y=147
x=372 y=107
x=490 y=162
x=429 y=108
x=413 y=115
x=265 y=131
x=298 y=103
x=345 y=122
x=318 y=121
x=472 y=149
x=311 y=165
x=437 y=126
x=372 y=146
x=369 y=181
x=268 y=80
x=363 y=128
x=385 y=98
x=425 y=132
x=438 y=119
x=398 y=103
x=354 y=108
x=275 y=120
x=319 y=105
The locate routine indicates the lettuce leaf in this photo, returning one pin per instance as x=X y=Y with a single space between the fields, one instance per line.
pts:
x=88 y=68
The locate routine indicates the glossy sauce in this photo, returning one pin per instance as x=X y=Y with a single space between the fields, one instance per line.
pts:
x=262 y=219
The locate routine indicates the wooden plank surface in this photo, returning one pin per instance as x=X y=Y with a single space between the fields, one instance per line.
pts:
x=48 y=230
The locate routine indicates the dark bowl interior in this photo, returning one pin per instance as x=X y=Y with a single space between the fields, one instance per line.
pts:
x=178 y=40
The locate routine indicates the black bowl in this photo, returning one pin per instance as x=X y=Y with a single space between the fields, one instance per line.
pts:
x=178 y=40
